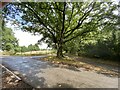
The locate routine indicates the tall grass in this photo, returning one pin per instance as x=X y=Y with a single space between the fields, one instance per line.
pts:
x=37 y=53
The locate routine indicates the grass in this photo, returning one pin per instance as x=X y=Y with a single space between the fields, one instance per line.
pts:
x=7 y=53
x=36 y=53
x=98 y=60
x=72 y=62
x=66 y=60
x=103 y=61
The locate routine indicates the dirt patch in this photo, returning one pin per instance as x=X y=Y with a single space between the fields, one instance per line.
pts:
x=10 y=81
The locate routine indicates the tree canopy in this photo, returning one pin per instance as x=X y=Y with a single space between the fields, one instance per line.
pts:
x=61 y=22
x=8 y=40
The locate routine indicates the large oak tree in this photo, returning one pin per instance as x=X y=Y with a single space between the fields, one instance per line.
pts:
x=60 y=22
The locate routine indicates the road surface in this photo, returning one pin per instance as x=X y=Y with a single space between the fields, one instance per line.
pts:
x=40 y=74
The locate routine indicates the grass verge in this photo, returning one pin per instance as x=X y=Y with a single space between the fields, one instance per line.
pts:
x=68 y=62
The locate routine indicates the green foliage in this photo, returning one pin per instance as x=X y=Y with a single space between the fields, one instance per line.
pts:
x=1 y=23
x=33 y=47
x=104 y=44
x=8 y=40
x=29 y=48
x=9 y=46
x=36 y=47
x=61 y=22
x=17 y=49
x=24 y=49
x=72 y=46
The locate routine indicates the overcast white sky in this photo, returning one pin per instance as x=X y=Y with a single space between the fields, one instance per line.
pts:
x=26 y=38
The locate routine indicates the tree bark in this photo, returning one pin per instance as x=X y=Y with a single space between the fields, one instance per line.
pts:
x=59 y=50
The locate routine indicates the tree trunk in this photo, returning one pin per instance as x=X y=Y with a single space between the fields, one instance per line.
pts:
x=59 y=50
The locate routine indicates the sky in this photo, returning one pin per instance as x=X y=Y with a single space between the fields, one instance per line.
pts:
x=25 y=38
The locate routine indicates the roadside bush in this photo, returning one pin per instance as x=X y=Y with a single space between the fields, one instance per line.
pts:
x=102 y=49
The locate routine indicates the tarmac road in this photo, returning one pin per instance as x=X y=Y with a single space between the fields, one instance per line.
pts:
x=41 y=74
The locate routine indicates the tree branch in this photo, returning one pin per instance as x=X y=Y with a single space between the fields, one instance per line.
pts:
x=70 y=19
x=80 y=21
x=58 y=10
x=82 y=33
x=63 y=23
x=37 y=16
